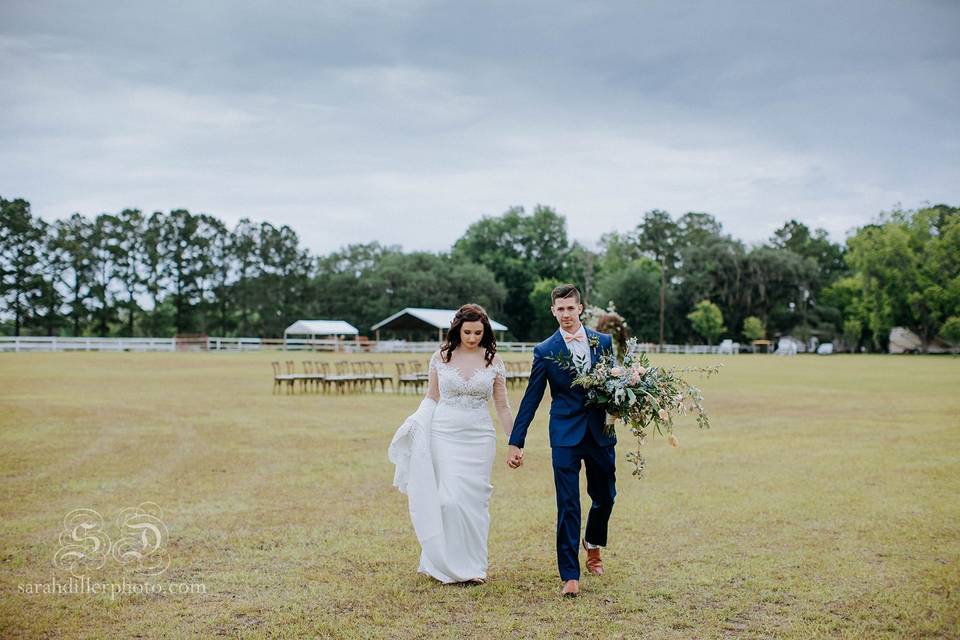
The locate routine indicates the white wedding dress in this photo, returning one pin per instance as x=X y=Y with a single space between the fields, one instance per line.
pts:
x=444 y=454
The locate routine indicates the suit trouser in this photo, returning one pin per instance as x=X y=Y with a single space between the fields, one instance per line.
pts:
x=600 y=463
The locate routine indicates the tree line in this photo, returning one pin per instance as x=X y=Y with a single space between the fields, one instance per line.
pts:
x=673 y=279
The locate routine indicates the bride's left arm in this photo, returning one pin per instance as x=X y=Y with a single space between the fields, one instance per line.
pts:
x=501 y=400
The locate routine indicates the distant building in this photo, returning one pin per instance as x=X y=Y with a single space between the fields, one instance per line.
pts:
x=417 y=323
x=320 y=329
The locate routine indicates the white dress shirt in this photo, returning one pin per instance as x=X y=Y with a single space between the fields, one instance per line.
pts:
x=579 y=349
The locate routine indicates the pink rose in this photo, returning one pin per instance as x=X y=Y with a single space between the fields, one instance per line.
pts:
x=641 y=371
x=663 y=414
x=616 y=371
x=635 y=378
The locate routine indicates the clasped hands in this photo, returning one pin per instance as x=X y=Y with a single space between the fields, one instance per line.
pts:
x=514 y=457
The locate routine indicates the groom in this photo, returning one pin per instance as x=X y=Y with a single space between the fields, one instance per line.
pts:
x=576 y=434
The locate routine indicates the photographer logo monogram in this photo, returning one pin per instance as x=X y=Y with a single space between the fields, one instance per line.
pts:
x=136 y=540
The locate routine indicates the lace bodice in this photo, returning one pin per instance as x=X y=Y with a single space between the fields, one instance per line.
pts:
x=449 y=386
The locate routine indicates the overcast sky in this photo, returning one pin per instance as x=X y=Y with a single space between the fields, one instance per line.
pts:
x=405 y=121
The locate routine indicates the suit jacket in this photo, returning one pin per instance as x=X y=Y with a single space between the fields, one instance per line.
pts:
x=570 y=417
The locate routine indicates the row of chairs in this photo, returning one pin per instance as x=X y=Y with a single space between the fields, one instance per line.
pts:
x=411 y=376
x=345 y=376
x=517 y=373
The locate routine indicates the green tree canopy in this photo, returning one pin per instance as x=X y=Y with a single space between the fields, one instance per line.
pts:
x=909 y=270
x=130 y=274
x=707 y=320
x=21 y=250
x=518 y=249
x=950 y=331
x=753 y=328
x=543 y=323
x=635 y=290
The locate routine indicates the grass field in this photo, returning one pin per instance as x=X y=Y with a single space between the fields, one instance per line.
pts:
x=824 y=502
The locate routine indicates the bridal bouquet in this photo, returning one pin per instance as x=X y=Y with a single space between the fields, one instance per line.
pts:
x=638 y=394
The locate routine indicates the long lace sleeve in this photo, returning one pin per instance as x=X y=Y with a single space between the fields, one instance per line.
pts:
x=433 y=384
x=501 y=401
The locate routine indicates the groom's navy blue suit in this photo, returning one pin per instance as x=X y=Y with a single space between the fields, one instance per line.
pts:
x=576 y=434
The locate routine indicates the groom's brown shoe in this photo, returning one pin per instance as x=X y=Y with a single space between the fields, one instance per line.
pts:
x=594 y=563
x=571 y=588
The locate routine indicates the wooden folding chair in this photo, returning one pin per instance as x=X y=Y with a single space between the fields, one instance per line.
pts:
x=314 y=374
x=510 y=374
x=345 y=372
x=279 y=378
x=322 y=372
x=363 y=376
x=406 y=380
x=423 y=377
x=521 y=373
x=376 y=369
x=331 y=378
x=301 y=377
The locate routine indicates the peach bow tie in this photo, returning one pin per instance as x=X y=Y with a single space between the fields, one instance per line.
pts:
x=577 y=337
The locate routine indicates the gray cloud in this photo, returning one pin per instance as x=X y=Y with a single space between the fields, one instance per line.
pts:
x=405 y=121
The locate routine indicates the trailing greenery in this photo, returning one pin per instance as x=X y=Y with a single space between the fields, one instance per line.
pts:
x=130 y=273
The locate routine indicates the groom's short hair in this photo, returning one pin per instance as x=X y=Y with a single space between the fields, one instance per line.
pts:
x=564 y=291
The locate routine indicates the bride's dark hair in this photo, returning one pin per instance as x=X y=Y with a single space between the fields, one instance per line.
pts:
x=469 y=313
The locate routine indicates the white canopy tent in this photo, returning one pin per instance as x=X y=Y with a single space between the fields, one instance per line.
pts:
x=418 y=319
x=316 y=328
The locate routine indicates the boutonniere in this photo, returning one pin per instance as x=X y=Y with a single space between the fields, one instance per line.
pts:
x=594 y=341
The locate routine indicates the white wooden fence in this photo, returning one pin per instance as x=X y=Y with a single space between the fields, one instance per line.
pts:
x=45 y=343
x=724 y=349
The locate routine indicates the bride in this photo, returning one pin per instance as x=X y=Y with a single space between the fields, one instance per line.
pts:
x=444 y=451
